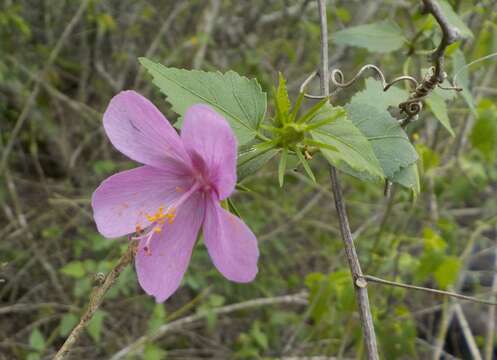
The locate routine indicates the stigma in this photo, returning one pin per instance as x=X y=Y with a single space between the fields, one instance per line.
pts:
x=157 y=221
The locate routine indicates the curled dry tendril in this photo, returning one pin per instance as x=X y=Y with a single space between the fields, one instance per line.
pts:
x=411 y=107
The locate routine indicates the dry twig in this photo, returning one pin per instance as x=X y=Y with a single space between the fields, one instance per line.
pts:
x=352 y=258
x=96 y=298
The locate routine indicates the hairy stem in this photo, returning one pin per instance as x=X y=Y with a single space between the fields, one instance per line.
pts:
x=96 y=298
x=350 y=251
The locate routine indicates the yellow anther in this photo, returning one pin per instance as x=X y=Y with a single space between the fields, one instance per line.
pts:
x=157 y=229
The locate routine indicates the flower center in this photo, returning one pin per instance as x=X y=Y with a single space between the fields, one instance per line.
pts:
x=160 y=218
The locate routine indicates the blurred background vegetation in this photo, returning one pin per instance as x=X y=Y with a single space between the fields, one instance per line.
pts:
x=60 y=63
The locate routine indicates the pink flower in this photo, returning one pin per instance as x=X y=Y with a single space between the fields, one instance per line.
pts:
x=176 y=192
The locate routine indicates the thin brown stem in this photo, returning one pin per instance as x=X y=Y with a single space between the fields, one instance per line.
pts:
x=426 y=289
x=96 y=298
x=350 y=251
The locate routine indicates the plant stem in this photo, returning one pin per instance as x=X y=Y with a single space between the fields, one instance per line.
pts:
x=352 y=258
x=96 y=299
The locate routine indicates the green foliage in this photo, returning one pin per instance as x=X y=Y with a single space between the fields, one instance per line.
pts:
x=282 y=101
x=484 y=133
x=153 y=352
x=436 y=261
x=454 y=19
x=397 y=335
x=36 y=340
x=74 y=269
x=448 y=271
x=459 y=65
x=325 y=290
x=384 y=36
x=282 y=166
x=439 y=108
x=240 y=100
x=67 y=323
x=390 y=144
x=252 y=158
x=95 y=325
x=341 y=142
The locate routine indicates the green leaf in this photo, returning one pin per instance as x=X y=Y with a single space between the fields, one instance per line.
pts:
x=448 y=271
x=384 y=36
x=394 y=151
x=36 y=340
x=259 y=336
x=240 y=100
x=374 y=95
x=428 y=263
x=153 y=352
x=439 y=108
x=459 y=65
x=433 y=241
x=346 y=144
x=408 y=177
x=74 y=269
x=94 y=327
x=429 y=158
x=454 y=19
x=306 y=166
x=282 y=166
x=484 y=133
x=67 y=323
x=253 y=158
x=282 y=100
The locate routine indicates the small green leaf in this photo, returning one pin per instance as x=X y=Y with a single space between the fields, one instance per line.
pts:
x=282 y=100
x=94 y=327
x=313 y=111
x=454 y=19
x=484 y=133
x=74 y=269
x=36 y=340
x=448 y=271
x=240 y=100
x=253 y=158
x=433 y=241
x=282 y=166
x=384 y=36
x=153 y=352
x=439 y=108
x=232 y=208
x=459 y=65
x=306 y=166
x=259 y=336
x=429 y=159
x=67 y=323
x=346 y=145
x=296 y=107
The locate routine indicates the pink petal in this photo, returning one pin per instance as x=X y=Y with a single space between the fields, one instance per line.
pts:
x=122 y=201
x=231 y=245
x=160 y=271
x=208 y=135
x=139 y=130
